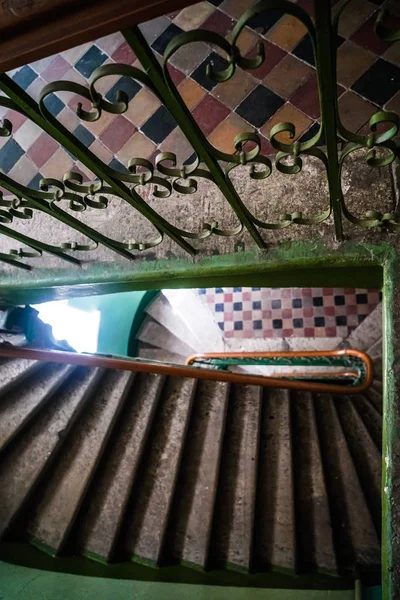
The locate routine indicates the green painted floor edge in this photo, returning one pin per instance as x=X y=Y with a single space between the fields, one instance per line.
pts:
x=24 y=583
x=29 y=556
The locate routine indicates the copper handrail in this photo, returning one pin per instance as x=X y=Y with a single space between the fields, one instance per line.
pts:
x=356 y=389
x=110 y=362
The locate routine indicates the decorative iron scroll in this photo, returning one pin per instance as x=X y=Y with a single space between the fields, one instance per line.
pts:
x=166 y=175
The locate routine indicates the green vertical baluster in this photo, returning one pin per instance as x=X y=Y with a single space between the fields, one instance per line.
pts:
x=188 y=125
x=326 y=69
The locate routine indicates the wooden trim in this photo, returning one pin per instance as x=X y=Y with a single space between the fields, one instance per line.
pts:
x=33 y=29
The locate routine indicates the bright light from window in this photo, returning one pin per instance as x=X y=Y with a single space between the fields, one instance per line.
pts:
x=78 y=327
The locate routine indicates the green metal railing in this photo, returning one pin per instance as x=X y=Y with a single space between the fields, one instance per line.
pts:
x=209 y=163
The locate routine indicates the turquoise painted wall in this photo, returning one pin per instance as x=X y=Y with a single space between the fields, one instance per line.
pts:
x=117 y=314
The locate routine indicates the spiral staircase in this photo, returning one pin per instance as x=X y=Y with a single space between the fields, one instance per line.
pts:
x=131 y=468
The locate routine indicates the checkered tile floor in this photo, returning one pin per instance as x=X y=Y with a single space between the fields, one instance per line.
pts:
x=285 y=312
x=284 y=88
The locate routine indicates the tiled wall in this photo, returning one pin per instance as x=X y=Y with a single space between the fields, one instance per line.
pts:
x=284 y=88
x=285 y=312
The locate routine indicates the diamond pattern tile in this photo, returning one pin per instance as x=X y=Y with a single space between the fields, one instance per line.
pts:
x=283 y=86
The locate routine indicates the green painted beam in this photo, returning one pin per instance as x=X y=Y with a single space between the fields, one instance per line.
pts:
x=289 y=265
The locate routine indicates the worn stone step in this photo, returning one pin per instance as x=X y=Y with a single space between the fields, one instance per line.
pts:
x=365 y=454
x=153 y=333
x=314 y=544
x=154 y=488
x=19 y=405
x=162 y=312
x=275 y=532
x=371 y=417
x=355 y=536
x=61 y=497
x=375 y=397
x=13 y=372
x=232 y=540
x=26 y=460
x=108 y=496
x=192 y=517
x=375 y=351
x=368 y=331
x=161 y=355
x=198 y=319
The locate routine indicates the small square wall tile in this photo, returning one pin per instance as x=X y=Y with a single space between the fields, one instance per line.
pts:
x=74 y=54
x=34 y=183
x=234 y=8
x=40 y=65
x=178 y=144
x=35 y=88
x=97 y=127
x=84 y=136
x=379 y=83
x=127 y=85
x=310 y=133
x=191 y=92
x=176 y=75
x=152 y=30
x=192 y=17
x=353 y=16
x=124 y=54
x=142 y=107
x=92 y=59
x=138 y=146
x=209 y=113
x=306 y=98
x=24 y=77
x=17 y=119
x=23 y=171
x=54 y=104
x=200 y=74
x=117 y=133
x=57 y=165
x=188 y=61
x=290 y=114
x=27 y=134
x=102 y=152
x=160 y=43
x=287 y=76
x=287 y=32
x=259 y=106
x=233 y=91
x=366 y=37
x=264 y=21
x=56 y=69
x=352 y=62
x=159 y=125
x=110 y=43
x=224 y=134
x=354 y=111
x=392 y=54
x=42 y=149
x=219 y=22
x=245 y=42
x=10 y=155
x=304 y=50
x=273 y=56
x=394 y=104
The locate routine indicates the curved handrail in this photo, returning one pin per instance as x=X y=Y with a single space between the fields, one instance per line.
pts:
x=360 y=378
x=146 y=366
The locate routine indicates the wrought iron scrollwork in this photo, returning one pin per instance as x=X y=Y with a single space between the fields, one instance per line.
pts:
x=62 y=197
